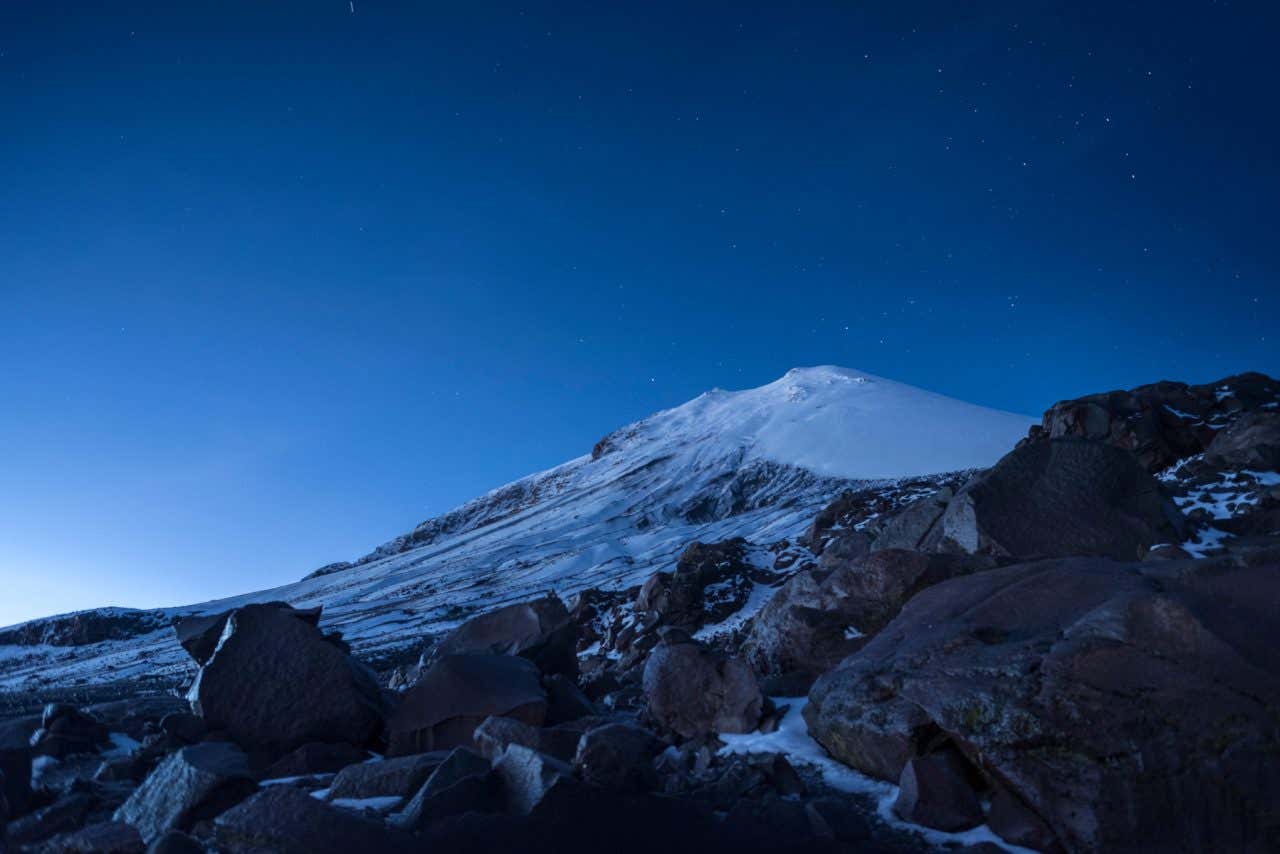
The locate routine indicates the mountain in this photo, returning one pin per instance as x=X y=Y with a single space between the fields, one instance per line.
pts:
x=757 y=464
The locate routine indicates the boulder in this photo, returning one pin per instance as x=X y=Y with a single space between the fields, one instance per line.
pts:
x=111 y=837
x=694 y=691
x=284 y=820
x=184 y=726
x=15 y=763
x=907 y=528
x=464 y=782
x=565 y=701
x=400 y=777
x=540 y=631
x=65 y=815
x=1055 y=499
x=529 y=777
x=617 y=756
x=457 y=693
x=274 y=684
x=820 y=616
x=1015 y=823
x=933 y=791
x=66 y=731
x=1107 y=697
x=1252 y=442
x=194 y=783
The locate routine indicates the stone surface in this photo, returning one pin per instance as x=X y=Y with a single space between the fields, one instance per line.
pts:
x=315 y=758
x=283 y=820
x=457 y=693
x=540 y=631
x=529 y=777
x=1055 y=499
x=66 y=731
x=15 y=762
x=112 y=837
x=401 y=776
x=495 y=734
x=693 y=691
x=275 y=684
x=192 y=784
x=1108 y=697
x=1252 y=442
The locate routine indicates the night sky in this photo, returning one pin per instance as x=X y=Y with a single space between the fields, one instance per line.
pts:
x=279 y=280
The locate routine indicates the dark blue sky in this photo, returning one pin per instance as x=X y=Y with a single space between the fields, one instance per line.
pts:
x=278 y=281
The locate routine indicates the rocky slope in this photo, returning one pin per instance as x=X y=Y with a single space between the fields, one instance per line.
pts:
x=1073 y=650
x=757 y=464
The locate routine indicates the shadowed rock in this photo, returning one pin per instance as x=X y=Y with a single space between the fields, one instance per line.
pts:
x=540 y=631
x=192 y=784
x=275 y=683
x=464 y=782
x=1107 y=697
x=400 y=777
x=457 y=693
x=283 y=820
x=694 y=691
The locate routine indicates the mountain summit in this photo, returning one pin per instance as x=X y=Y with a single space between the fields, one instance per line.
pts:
x=757 y=464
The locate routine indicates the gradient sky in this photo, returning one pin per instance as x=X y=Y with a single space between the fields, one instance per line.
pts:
x=279 y=280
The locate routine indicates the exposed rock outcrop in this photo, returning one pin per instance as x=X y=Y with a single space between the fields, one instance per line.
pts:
x=693 y=691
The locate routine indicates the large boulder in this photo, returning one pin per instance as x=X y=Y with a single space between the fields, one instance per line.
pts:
x=194 y=783
x=529 y=777
x=199 y=634
x=694 y=691
x=110 y=837
x=275 y=683
x=540 y=631
x=1108 y=698
x=15 y=762
x=284 y=820
x=1252 y=442
x=1160 y=423
x=464 y=782
x=457 y=693
x=66 y=731
x=822 y=615
x=1055 y=499
x=617 y=756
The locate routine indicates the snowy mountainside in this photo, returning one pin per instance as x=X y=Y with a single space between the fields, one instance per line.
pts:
x=758 y=464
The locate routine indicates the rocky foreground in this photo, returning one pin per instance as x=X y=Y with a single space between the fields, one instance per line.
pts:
x=1075 y=650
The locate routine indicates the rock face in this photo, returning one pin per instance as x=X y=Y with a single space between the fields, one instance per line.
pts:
x=529 y=776
x=1252 y=442
x=1055 y=499
x=617 y=756
x=65 y=731
x=457 y=693
x=401 y=776
x=540 y=631
x=464 y=782
x=694 y=691
x=15 y=763
x=933 y=792
x=1163 y=422
x=275 y=683
x=1107 y=697
x=192 y=784
x=822 y=615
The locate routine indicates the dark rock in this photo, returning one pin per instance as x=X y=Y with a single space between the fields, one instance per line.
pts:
x=112 y=837
x=1015 y=823
x=184 y=726
x=401 y=777
x=84 y=628
x=457 y=693
x=933 y=791
x=283 y=820
x=908 y=527
x=315 y=758
x=1059 y=498
x=195 y=783
x=1252 y=442
x=15 y=763
x=495 y=734
x=175 y=842
x=529 y=777
x=464 y=782
x=540 y=631
x=617 y=756
x=199 y=635
x=1160 y=423
x=694 y=691
x=66 y=731
x=1107 y=697
x=565 y=702
x=561 y=740
x=274 y=684
x=819 y=617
